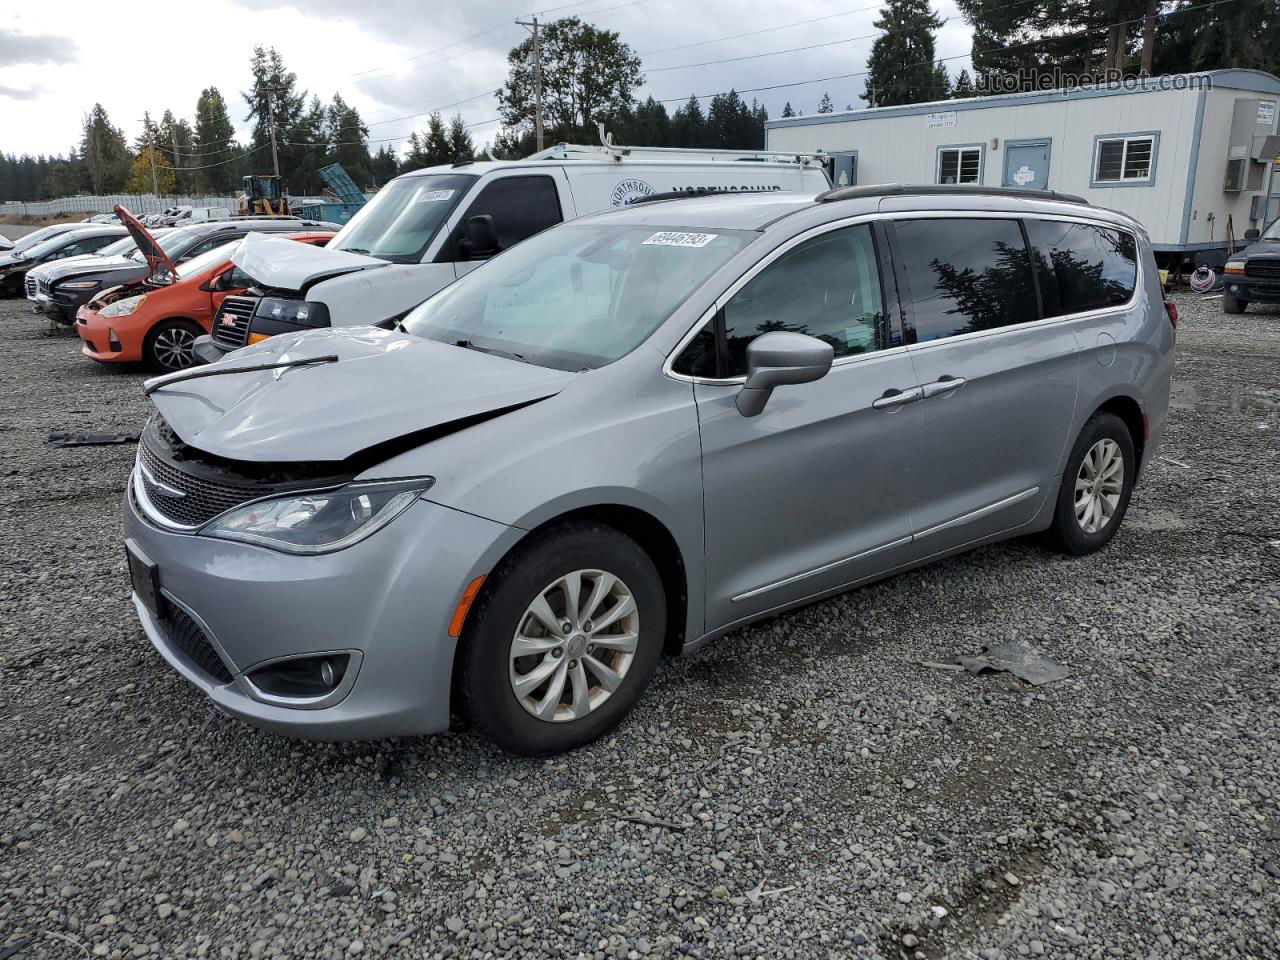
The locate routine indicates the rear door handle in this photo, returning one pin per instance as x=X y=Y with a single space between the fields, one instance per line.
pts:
x=896 y=398
x=942 y=385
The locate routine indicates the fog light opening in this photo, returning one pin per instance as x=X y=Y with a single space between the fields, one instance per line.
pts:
x=113 y=341
x=302 y=678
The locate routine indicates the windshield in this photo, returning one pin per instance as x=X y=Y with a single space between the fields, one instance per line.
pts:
x=54 y=243
x=578 y=295
x=1272 y=232
x=121 y=248
x=35 y=237
x=210 y=258
x=399 y=223
x=175 y=242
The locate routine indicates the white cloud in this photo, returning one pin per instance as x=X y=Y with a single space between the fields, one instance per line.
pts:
x=397 y=59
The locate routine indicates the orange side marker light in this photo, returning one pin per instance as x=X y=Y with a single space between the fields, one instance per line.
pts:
x=460 y=613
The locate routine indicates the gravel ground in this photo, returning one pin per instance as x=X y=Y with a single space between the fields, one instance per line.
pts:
x=802 y=788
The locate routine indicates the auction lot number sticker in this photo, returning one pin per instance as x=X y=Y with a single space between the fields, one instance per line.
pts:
x=671 y=238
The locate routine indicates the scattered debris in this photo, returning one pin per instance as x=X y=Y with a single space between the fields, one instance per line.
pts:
x=62 y=438
x=934 y=665
x=1176 y=463
x=12 y=949
x=1018 y=658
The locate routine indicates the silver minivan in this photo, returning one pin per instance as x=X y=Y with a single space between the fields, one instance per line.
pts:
x=630 y=434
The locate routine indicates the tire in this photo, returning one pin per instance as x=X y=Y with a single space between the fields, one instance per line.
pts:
x=487 y=667
x=167 y=342
x=14 y=286
x=1233 y=304
x=1103 y=436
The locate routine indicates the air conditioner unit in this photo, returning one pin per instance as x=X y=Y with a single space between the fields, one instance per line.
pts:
x=1237 y=173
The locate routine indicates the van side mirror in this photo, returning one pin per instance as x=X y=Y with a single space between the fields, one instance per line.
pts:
x=1252 y=233
x=480 y=238
x=777 y=359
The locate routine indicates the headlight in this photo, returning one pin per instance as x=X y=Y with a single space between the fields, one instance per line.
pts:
x=321 y=521
x=78 y=285
x=293 y=311
x=122 y=308
x=1234 y=266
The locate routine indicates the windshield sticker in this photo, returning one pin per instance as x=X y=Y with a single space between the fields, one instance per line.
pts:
x=670 y=238
x=435 y=196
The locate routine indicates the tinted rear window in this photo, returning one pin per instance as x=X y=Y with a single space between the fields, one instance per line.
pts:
x=1082 y=266
x=966 y=275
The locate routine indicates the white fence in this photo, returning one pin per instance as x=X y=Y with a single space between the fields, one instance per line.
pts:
x=134 y=202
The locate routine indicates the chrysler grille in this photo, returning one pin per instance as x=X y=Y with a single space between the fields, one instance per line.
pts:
x=200 y=501
x=231 y=326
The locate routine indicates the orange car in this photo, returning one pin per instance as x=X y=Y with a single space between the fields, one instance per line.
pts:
x=156 y=320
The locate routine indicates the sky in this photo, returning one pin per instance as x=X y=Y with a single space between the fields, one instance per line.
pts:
x=396 y=60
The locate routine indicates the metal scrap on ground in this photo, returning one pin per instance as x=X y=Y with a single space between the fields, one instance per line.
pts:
x=1016 y=657
x=61 y=438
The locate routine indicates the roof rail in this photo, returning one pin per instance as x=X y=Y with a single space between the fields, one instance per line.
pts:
x=694 y=193
x=942 y=189
x=608 y=149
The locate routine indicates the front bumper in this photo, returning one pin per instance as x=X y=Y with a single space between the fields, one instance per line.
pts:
x=1253 y=289
x=208 y=350
x=104 y=342
x=388 y=598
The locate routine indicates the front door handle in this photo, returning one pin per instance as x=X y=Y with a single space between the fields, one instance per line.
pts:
x=896 y=398
x=942 y=385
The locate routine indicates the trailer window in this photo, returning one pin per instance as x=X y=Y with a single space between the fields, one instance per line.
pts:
x=960 y=165
x=1121 y=159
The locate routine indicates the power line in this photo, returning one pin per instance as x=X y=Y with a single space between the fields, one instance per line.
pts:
x=959 y=56
x=756 y=33
x=248 y=153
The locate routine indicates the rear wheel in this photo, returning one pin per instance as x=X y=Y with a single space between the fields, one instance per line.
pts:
x=168 y=345
x=562 y=641
x=1096 y=486
x=1233 y=304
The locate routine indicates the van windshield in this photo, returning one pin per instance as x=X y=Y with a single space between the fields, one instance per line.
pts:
x=578 y=295
x=400 y=221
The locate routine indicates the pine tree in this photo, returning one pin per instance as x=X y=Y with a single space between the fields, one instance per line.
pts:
x=825 y=105
x=383 y=166
x=688 y=126
x=214 y=141
x=964 y=87
x=346 y=133
x=902 y=67
x=275 y=94
x=106 y=156
x=460 y=145
x=435 y=143
x=787 y=111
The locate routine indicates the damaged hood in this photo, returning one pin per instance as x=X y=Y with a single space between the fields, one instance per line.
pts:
x=384 y=386
x=284 y=265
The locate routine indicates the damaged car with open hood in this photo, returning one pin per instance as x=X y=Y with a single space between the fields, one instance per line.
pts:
x=628 y=435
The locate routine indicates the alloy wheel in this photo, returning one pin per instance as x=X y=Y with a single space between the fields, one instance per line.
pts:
x=1099 y=484
x=574 y=645
x=173 y=348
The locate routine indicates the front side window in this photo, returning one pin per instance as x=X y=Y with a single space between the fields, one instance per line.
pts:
x=402 y=219
x=579 y=296
x=966 y=275
x=827 y=287
x=1082 y=266
x=960 y=165
x=1120 y=159
x=520 y=207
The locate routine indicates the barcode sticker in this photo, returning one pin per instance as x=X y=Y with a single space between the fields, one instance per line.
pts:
x=670 y=238
x=434 y=196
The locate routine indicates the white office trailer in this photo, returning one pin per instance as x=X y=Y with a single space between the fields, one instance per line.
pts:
x=1192 y=156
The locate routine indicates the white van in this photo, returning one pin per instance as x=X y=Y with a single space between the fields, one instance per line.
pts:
x=425 y=229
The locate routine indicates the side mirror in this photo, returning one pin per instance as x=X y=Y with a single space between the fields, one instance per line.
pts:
x=777 y=359
x=480 y=238
x=1252 y=234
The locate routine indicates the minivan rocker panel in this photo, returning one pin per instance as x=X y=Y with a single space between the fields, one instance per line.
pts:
x=653 y=478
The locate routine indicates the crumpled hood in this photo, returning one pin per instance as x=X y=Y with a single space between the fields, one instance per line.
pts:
x=384 y=386
x=88 y=265
x=285 y=265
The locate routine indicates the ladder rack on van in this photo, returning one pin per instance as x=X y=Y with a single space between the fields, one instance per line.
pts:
x=575 y=151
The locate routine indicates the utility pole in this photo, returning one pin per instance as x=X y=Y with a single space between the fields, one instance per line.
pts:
x=275 y=157
x=177 y=159
x=532 y=25
x=155 y=183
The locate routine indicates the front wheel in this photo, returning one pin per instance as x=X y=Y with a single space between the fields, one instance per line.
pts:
x=168 y=345
x=1233 y=304
x=1096 y=486
x=562 y=640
